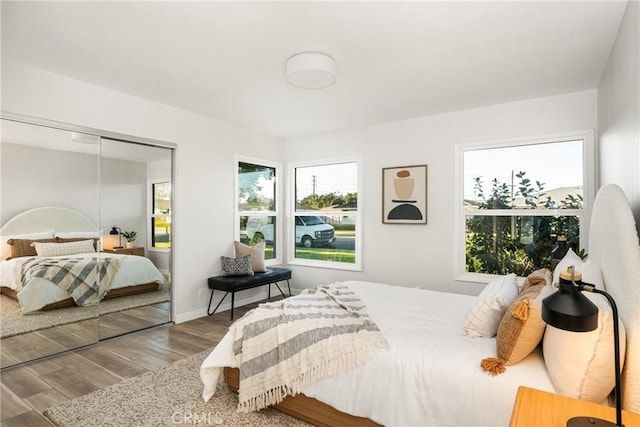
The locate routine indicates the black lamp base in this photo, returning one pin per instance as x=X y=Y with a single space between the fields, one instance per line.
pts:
x=589 y=422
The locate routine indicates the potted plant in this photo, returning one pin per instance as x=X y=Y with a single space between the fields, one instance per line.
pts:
x=130 y=236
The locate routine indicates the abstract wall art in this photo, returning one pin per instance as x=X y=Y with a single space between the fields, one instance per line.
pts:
x=404 y=195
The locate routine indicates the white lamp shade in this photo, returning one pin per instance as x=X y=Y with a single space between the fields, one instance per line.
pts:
x=311 y=70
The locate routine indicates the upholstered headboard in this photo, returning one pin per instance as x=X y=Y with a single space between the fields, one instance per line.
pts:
x=47 y=218
x=613 y=245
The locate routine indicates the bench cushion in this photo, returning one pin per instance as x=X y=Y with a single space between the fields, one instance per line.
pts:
x=238 y=283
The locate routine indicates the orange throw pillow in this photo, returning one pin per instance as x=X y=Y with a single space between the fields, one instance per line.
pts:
x=521 y=328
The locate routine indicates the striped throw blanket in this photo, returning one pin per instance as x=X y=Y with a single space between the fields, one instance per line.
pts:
x=86 y=280
x=282 y=346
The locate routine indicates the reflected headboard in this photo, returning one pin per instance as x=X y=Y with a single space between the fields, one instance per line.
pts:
x=614 y=247
x=47 y=218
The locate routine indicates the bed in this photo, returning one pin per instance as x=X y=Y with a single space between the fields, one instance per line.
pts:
x=431 y=373
x=62 y=225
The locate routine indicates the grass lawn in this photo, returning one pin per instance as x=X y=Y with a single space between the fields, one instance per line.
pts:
x=327 y=254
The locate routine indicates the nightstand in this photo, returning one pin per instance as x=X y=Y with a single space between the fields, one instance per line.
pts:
x=136 y=250
x=540 y=408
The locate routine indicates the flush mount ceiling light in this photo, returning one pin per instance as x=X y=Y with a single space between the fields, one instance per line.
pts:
x=311 y=70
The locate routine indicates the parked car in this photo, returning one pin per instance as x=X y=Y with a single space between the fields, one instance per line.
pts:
x=311 y=231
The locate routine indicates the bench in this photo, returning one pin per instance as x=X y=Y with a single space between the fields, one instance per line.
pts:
x=233 y=284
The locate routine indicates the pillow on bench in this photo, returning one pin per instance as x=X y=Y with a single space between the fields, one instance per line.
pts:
x=256 y=252
x=240 y=266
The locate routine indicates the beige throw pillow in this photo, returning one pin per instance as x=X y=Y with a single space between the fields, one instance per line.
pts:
x=25 y=247
x=580 y=364
x=256 y=252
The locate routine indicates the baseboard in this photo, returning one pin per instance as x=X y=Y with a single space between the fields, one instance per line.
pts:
x=225 y=306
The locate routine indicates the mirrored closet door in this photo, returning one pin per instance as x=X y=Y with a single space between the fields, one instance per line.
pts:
x=85 y=215
x=135 y=213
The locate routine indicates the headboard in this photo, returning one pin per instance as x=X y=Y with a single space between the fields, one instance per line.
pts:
x=47 y=218
x=613 y=245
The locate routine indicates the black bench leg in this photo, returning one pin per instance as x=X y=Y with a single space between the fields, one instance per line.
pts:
x=289 y=286
x=233 y=297
x=214 y=310
x=278 y=286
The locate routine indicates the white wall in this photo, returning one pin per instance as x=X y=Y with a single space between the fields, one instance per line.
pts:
x=619 y=111
x=33 y=177
x=419 y=255
x=123 y=198
x=203 y=221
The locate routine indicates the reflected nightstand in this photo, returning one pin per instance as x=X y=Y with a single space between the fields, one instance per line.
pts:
x=136 y=250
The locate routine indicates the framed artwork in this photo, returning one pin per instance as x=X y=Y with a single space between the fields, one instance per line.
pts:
x=404 y=195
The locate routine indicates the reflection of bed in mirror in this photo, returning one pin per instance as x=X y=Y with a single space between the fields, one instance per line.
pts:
x=54 y=225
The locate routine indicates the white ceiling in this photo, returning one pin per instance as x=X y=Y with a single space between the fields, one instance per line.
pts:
x=395 y=60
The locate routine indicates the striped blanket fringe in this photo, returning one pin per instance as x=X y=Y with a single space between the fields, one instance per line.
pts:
x=283 y=346
x=86 y=280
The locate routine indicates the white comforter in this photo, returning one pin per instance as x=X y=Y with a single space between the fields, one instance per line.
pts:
x=430 y=376
x=134 y=270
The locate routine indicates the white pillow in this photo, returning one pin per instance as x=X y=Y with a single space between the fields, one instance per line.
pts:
x=581 y=364
x=590 y=271
x=489 y=307
x=60 y=249
x=5 y=249
x=79 y=234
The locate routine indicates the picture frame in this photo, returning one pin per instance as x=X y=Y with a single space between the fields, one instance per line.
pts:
x=404 y=195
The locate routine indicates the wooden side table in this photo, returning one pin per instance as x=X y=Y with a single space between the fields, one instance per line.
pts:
x=136 y=250
x=540 y=408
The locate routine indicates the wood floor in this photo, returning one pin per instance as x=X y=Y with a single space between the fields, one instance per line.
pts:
x=37 y=344
x=27 y=390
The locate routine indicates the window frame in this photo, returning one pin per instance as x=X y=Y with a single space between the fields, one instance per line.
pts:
x=151 y=214
x=277 y=213
x=291 y=214
x=589 y=186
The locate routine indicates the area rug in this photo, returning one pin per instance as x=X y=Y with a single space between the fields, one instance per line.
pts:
x=13 y=322
x=169 y=396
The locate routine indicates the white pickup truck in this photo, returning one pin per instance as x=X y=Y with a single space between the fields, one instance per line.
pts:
x=311 y=231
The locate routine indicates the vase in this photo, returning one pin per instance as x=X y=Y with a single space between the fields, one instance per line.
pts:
x=128 y=245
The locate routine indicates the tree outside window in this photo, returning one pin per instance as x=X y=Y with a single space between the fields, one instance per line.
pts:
x=256 y=205
x=520 y=203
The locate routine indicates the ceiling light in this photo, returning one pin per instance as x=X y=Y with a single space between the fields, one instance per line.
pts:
x=311 y=70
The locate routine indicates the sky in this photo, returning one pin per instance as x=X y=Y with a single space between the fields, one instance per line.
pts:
x=555 y=165
x=339 y=178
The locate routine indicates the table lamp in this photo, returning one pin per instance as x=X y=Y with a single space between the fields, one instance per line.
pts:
x=116 y=231
x=570 y=310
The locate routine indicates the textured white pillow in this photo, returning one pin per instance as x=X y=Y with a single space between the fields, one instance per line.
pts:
x=581 y=364
x=489 y=307
x=61 y=249
x=590 y=271
x=5 y=249
x=256 y=252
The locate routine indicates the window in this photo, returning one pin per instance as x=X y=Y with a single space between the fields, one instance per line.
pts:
x=256 y=206
x=520 y=201
x=161 y=214
x=325 y=226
